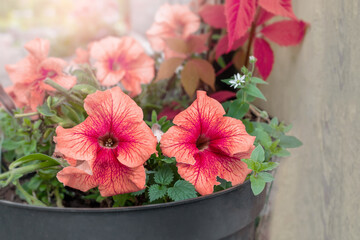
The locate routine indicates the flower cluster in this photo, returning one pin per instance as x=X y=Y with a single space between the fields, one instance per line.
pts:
x=119 y=122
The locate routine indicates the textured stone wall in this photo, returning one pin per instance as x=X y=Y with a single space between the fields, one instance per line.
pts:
x=316 y=86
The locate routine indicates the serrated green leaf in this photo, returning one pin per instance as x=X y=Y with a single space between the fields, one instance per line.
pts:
x=254 y=91
x=262 y=137
x=156 y=191
x=257 y=185
x=164 y=175
x=289 y=142
x=238 y=109
x=138 y=193
x=266 y=177
x=268 y=166
x=258 y=154
x=258 y=80
x=250 y=163
x=182 y=190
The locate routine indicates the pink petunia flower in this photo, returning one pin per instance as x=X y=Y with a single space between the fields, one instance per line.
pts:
x=29 y=74
x=206 y=145
x=82 y=56
x=122 y=60
x=172 y=21
x=113 y=140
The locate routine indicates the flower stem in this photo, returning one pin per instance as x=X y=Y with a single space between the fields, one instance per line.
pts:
x=63 y=90
x=224 y=69
x=58 y=198
x=30 y=199
x=21 y=115
x=28 y=169
x=251 y=37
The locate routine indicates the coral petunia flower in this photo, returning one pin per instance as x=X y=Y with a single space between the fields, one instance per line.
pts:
x=172 y=21
x=29 y=73
x=113 y=140
x=206 y=145
x=122 y=60
x=82 y=56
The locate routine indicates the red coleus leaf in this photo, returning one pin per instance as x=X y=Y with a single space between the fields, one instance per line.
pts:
x=239 y=16
x=213 y=15
x=222 y=46
x=222 y=96
x=278 y=7
x=264 y=16
x=265 y=57
x=285 y=33
x=171 y=110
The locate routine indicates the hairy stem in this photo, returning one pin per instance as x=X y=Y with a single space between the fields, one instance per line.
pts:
x=251 y=37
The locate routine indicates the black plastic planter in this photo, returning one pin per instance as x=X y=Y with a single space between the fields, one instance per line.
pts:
x=228 y=214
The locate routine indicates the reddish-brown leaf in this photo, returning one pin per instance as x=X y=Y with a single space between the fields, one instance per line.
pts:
x=239 y=16
x=197 y=43
x=205 y=71
x=265 y=57
x=177 y=44
x=239 y=59
x=222 y=96
x=278 y=7
x=285 y=33
x=167 y=68
x=189 y=78
x=213 y=15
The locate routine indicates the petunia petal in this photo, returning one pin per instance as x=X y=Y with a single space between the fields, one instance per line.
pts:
x=230 y=136
x=39 y=48
x=76 y=178
x=203 y=173
x=180 y=143
x=115 y=178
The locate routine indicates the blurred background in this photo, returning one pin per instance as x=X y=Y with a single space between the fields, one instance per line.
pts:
x=315 y=86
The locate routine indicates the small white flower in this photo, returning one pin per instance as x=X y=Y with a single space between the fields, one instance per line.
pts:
x=238 y=80
x=252 y=59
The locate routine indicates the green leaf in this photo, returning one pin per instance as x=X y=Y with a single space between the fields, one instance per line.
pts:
x=288 y=128
x=227 y=81
x=238 y=109
x=182 y=190
x=282 y=153
x=266 y=177
x=254 y=91
x=138 y=193
x=120 y=200
x=46 y=111
x=258 y=80
x=84 y=88
x=164 y=175
x=262 y=137
x=226 y=105
x=257 y=185
x=268 y=166
x=221 y=62
x=258 y=154
x=289 y=142
x=156 y=191
x=168 y=160
x=274 y=122
x=153 y=116
x=32 y=157
x=250 y=163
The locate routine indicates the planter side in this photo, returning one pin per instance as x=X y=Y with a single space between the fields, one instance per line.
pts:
x=228 y=214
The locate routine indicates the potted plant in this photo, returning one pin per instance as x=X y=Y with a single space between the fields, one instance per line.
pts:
x=123 y=145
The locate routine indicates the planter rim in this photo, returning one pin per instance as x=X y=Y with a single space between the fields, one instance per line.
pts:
x=124 y=209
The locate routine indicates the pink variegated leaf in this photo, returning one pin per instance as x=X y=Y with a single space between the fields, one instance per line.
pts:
x=264 y=16
x=265 y=57
x=278 y=7
x=285 y=33
x=239 y=16
x=213 y=15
